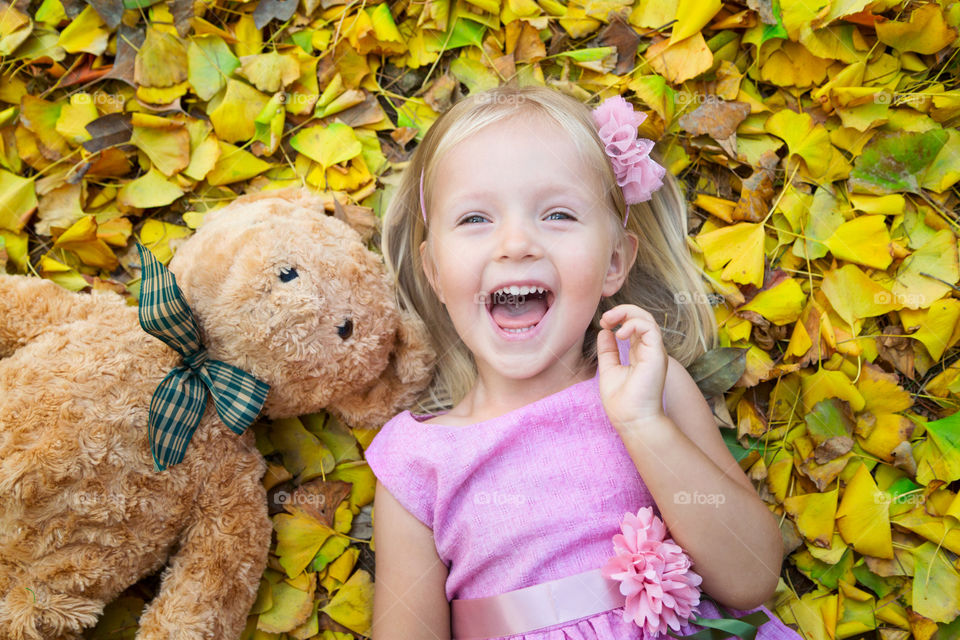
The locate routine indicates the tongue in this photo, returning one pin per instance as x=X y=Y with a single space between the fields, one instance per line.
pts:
x=517 y=316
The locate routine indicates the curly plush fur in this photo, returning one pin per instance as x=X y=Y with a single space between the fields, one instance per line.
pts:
x=83 y=513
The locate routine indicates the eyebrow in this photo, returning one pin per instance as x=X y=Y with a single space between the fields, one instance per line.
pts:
x=543 y=190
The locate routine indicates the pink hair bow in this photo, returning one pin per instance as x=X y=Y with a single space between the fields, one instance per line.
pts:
x=637 y=173
x=654 y=573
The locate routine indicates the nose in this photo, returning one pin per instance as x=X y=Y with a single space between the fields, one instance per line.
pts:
x=518 y=239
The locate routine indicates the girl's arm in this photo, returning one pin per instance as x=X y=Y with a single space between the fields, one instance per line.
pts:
x=409 y=597
x=708 y=504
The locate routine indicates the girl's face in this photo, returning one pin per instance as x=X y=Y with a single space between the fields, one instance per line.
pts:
x=515 y=205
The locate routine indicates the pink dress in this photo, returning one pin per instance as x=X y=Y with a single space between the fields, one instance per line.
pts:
x=530 y=496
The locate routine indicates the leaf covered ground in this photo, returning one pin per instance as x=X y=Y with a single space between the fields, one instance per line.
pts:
x=817 y=140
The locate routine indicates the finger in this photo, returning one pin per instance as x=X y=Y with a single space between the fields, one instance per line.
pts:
x=625 y=311
x=617 y=314
x=636 y=326
x=608 y=355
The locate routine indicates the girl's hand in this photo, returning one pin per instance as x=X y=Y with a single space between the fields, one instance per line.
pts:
x=632 y=393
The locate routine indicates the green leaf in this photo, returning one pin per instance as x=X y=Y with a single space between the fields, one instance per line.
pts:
x=210 y=62
x=894 y=162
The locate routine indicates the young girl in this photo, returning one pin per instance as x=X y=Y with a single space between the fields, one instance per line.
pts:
x=546 y=252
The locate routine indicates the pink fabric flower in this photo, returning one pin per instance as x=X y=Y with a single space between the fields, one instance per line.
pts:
x=637 y=173
x=660 y=588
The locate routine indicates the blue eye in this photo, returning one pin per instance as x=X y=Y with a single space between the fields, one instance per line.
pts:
x=471 y=217
x=562 y=213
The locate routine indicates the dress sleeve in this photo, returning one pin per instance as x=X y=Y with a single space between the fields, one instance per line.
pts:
x=403 y=466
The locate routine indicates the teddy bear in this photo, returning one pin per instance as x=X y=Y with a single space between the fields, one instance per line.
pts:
x=279 y=290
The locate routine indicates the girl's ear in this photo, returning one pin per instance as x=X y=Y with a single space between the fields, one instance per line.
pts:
x=430 y=270
x=621 y=261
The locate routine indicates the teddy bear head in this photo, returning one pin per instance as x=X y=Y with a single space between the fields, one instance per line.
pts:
x=291 y=295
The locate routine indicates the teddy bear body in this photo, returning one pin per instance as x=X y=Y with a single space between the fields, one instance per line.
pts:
x=84 y=512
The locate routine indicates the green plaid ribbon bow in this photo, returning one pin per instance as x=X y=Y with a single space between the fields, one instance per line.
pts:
x=180 y=399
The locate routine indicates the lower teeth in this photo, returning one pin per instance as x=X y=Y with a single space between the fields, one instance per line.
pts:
x=519 y=330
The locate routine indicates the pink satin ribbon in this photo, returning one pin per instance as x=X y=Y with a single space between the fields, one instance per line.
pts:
x=534 y=607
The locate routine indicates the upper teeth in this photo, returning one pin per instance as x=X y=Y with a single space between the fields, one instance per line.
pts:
x=519 y=291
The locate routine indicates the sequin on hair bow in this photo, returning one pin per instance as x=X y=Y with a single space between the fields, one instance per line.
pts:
x=661 y=589
x=637 y=173
x=181 y=397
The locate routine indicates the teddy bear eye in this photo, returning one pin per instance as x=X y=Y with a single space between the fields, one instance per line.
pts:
x=287 y=274
x=345 y=329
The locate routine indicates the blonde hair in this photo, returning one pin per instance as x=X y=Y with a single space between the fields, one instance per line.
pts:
x=663 y=280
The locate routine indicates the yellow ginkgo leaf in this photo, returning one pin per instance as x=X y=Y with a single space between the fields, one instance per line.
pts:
x=792 y=65
x=814 y=514
x=824 y=383
x=653 y=14
x=304 y=455
x=804 y=138
x=740 y=248
x=81 y=238
x=374 y=31
x=340 y=569
x=681 y=61
x=799 y=14
x=864 y=240
x=292 y=604
x=327 y=145
x=936 y=584
x=913 y=286
x=86 y=33
x=944 y=171
x=886 y=433
x=234 y=116
x=18 y=200
x=75 y=116
x=934 y=528
x=854 y=295
x=363 y=483
x=881 y=392
x=780 y=304
x=926 y=32
x=156 y=236
x=168 y=147
x=889 y=204
x=233 y=164
x=937 y=327
x=149 y=190
x=863 y=517
x=203 y=157
x=692 y=16
x=271 y=71
x=299 y=537
x=778 y=474
x=62 y=274
x=352 y=606
x=161 y=61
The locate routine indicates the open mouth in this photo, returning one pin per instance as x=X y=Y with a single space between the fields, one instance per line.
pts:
x=517 y=309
